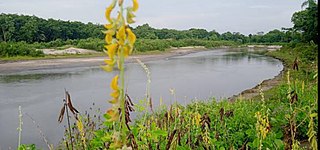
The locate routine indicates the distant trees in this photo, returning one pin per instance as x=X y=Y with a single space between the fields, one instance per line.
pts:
x=30 y=29
x=33 y=29
x=306 y=21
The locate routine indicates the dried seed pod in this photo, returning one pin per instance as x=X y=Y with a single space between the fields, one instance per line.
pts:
x=294 y=97
x=221 y=114
x=150 y=104
x=132 y=141
x=205 y=121
x=217 y=135
x=244 y=145
x=170 y=138
x=295 y=64
x=61 y=113
x=229 y=113
x=179 y=138
x=69 y=103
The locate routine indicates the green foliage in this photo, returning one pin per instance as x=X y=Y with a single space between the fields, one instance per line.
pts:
x=91 y=43
x=33 y=29
x=236 y=130
x=223 y=124
x=12 y=49
x=307 y=52
x=306 y=21
x=143 y=45
x=27 y=147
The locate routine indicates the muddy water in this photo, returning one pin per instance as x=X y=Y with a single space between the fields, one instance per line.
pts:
x=196 y=76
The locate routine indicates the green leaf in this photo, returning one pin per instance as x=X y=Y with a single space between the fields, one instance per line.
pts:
x=182 y=147
x=313 y=115
x=222 y=148
x=279 y=135
x=279 y=143
x=255 y=143
x=159 y=133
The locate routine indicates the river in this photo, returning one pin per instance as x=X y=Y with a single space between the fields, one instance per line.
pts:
x=217 y=73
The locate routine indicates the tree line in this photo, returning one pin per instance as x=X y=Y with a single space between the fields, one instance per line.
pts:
x=23 y=34
x=16 y=28
x=32 y=29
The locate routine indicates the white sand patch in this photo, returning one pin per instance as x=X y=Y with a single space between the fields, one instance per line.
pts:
x=69 y=51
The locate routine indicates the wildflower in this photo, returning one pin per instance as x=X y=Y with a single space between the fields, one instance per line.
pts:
x=131 y=36
x=109 y=10
x=114 y=115
x=135 y=5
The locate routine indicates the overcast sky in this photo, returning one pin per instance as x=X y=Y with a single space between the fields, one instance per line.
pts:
x=244 y=16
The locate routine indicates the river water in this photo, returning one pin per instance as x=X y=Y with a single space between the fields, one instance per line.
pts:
x=198 y=76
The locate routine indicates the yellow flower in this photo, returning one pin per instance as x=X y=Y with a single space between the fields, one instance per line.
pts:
x=114 y=83
x=113 y=101
x=114 y=115
x=135 y=5
x=115 y=94
x=130 y=16
x=108 y=38
x=109 y=26
x=108 y=13
x=111 y=50
x=107 y=68
x=109 y=62
x=109 y=9
x=121 y=34
x=127 y=51
x=131 y=37
x=197 y=118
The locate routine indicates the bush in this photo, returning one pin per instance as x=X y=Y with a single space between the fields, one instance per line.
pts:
x=90 y=43
x=12 y=49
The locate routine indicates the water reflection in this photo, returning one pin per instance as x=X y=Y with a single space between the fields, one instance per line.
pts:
x=36 y=76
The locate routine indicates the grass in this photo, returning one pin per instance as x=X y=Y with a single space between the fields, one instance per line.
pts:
x=283 y=117
x=258 y=123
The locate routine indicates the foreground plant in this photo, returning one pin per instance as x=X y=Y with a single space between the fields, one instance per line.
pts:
x=119 y=45
x=67 y=106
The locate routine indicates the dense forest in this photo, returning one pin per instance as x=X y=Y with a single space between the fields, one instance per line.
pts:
x=32 y=29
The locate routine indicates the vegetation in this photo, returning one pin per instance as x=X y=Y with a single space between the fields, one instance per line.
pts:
x=37 y=33
x=283 y=118
x=11 y=49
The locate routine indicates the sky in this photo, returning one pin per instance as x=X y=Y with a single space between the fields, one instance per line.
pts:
x=244 y=16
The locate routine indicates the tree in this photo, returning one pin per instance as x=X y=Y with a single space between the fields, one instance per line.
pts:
x=306 y=21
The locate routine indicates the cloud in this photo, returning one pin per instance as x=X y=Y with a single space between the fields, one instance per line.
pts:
x=259 y=7
x=245 y=16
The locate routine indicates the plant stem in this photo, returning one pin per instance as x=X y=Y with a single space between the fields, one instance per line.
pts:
x=20 y=127
x=122 y=96
x=65 y=105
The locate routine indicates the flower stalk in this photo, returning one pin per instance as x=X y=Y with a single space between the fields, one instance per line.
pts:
x=119 y=45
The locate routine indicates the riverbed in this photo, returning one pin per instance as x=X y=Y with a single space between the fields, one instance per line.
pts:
x=204 y=75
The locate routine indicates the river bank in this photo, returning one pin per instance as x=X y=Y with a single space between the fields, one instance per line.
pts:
x=265 y=85
x=29 y=65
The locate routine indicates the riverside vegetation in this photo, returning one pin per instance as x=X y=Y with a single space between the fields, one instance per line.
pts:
x=22 y=35
x=285 y=117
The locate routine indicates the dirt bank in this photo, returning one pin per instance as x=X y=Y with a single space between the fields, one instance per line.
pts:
x=29 y=65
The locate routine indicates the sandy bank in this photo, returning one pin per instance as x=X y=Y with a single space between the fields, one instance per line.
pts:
x=29 y=65
x=70 y=51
